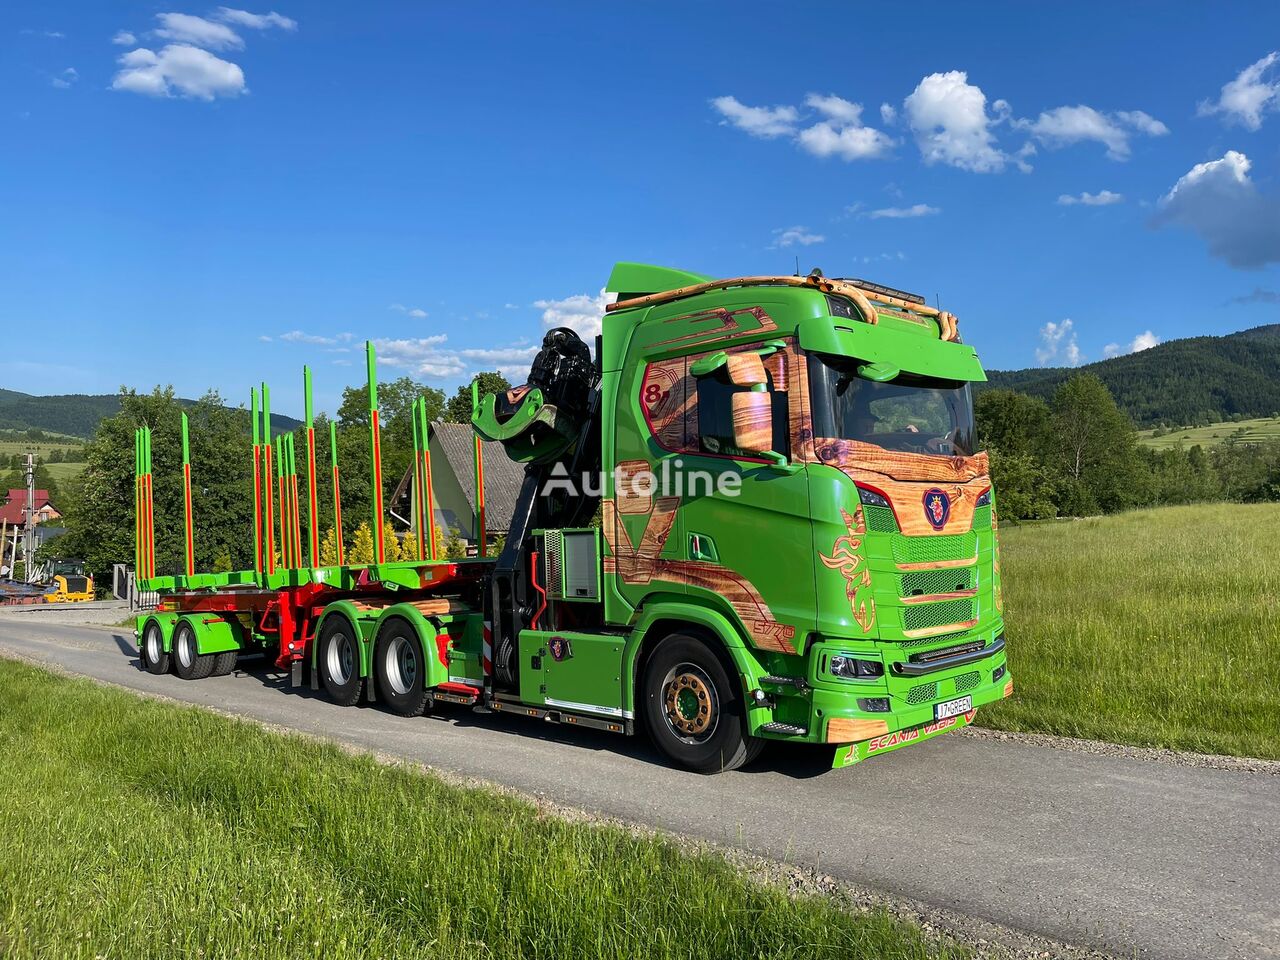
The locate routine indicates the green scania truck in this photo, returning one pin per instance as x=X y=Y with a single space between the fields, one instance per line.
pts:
x=754 y=512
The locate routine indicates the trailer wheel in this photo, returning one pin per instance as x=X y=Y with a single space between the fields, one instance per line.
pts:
x=400 y=669
x=224 y=663
x=188 y=663
x=151 y=652
x=693 y=707
x=338 y=660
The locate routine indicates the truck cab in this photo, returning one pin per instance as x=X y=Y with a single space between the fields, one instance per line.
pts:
x=792 y=479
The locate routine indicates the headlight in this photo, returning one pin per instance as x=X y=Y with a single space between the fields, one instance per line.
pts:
x=985 y=499
x=871 y=498
x=847 y=667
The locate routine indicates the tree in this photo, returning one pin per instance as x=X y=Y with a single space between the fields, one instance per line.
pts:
x=1013 y=423
x=1025 y=489
x=458 y=409
x=360 y=549
x=329 y=548
x=1092 y=445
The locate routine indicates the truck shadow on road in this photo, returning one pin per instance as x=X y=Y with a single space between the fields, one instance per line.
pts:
x=797 y=762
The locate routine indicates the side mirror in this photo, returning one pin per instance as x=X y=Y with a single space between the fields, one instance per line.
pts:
x=753 y=421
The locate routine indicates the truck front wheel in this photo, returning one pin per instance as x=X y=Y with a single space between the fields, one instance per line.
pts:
x=338 y=660
x=188 y=663
x=151 y=651
x=693 y=707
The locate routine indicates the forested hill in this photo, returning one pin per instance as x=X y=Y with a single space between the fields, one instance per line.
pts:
x=75 y=414
x=1200 y=379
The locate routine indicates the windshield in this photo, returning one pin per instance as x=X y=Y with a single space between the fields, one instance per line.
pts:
x=909 y=413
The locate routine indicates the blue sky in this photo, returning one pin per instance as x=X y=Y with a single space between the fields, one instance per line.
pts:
x=206 y=196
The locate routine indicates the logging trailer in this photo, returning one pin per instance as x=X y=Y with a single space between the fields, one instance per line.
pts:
x=757 y=513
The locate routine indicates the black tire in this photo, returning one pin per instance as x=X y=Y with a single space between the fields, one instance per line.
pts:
x=151 y=652
x=338 y=661
x=224 y=663
x=400 y=669
x=693 y=707
x=187 y=662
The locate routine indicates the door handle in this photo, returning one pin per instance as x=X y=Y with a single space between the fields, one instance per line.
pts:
x=702 y=547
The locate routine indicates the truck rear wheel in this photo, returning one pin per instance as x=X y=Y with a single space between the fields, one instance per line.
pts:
x=400 y=669
x=224 y=663
x=338 y=660
x=151 y=652
x=188 y=663
x=694 y=709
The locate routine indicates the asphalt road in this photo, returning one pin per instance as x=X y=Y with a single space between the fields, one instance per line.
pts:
x=1125 y=855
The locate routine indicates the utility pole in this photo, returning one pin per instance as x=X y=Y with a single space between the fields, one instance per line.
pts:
x=29 y=537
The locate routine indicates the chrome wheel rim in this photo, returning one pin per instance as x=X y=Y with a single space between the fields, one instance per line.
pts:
x=154 y=645
x=400 y=664
x=186 y=655
x=340 y=659
x=690 y=704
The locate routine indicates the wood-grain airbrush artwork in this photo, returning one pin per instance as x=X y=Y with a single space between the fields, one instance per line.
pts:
x=641 y=561
x=847 y=558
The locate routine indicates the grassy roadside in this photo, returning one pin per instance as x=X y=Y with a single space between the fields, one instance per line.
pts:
x=137 y=828
x=1156 y=628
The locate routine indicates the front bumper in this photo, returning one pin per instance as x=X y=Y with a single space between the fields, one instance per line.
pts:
x=896 y=709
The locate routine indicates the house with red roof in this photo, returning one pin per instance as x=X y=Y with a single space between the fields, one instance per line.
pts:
x=14 y=510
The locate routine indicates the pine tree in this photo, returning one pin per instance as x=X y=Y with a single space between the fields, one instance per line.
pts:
x=360 y=550
x=329 y=549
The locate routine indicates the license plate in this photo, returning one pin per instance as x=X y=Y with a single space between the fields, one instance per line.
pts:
x=952 y=708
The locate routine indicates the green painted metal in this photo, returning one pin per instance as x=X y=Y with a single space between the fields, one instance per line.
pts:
x=214 y=635
x=639 y=279
x=268 y=487
x=313 y=533
x=337 y=493
x=899 y=343
x=256 y=428
x=375 y=458
x=852 y=753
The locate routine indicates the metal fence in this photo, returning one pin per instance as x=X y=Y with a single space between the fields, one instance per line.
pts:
x=124 y=586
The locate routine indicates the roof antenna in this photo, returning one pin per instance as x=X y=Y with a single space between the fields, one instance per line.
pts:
x=937 y=300
x=797 y=264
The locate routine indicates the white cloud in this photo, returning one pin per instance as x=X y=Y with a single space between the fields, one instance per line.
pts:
x=255 y=21
x=949 y=118
x=264 y=338
x=297 y=336
x=840 y=132
x=883 y=257
x=66 y=78
x=582 y=313
x=124 y=38
x=791 y=236
x=764 y=122
x=1251 y=94
x=902 y=213
x=1063 y=126
x=1102 y=198
x=181 y=68
x=1058 y=345
x=888 y=115
x=512 y=362
x=1143 y=341
x=185 y=28
x=1220 y=202
x=423 y=356
x=416 y=312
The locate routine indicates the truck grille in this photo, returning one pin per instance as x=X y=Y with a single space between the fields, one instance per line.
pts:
x=928 y=582
x=937 y=614
x=880 y=519
x=960 y=546
x=967 y=681
x=922 y=693
x=77 y=584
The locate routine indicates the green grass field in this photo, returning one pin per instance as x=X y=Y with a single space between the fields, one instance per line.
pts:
x=137 y=828
x=1156 y=627
x=1245 y=431
x=59 y=471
